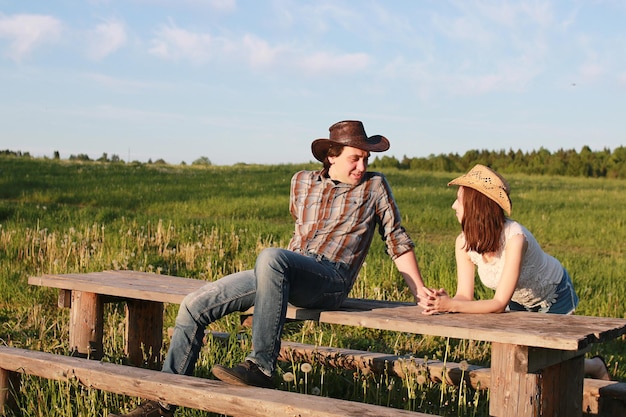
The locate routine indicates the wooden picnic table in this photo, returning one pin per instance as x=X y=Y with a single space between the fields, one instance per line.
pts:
x=537 y=360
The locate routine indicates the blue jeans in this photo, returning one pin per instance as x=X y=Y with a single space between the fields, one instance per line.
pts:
x=279 y=277
x=565 y=303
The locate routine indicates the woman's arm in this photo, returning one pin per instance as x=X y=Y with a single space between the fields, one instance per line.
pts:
x=465 y=271
x=463 y=301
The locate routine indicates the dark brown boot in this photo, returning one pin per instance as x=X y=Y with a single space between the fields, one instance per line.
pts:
x=147 y=409
x=246 y=373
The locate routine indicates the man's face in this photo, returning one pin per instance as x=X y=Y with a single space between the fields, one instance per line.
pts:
x=350 y=166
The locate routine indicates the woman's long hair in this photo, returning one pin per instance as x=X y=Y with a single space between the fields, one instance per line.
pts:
x=483 y=222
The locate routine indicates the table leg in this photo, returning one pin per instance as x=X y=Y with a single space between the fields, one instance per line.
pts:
x=86 y=315
x=144 y=332
x=10 y=383
x=516 y=390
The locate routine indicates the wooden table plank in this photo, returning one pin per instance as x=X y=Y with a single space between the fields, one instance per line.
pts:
x=563 y=332
x=127 y=284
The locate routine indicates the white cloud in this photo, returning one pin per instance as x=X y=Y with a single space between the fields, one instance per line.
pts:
x=105 y=39
x=258 y=52
x=465 y=28
x=486 y=46
x=539 y=12
x=510 y=78
x=591 y=70
x=26 y=32
x=320 y=63
x=109 y=112
x=173 y=43
x=120 y=84
x=511 y=14
x=223 y=5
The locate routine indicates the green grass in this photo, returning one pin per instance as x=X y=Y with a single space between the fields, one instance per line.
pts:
x=204 y=222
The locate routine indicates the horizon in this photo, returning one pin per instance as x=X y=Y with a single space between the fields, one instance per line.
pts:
x=206 y=160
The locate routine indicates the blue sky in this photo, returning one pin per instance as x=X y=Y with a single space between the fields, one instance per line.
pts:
x=256 y=81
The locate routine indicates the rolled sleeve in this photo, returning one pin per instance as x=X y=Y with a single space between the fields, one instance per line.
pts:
x=397 y=240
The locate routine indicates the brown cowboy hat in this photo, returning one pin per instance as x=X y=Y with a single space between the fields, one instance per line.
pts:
x=348 y=133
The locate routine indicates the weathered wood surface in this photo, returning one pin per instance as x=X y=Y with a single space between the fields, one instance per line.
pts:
x=86 y=324
x=9 y=381
x=402 y=366
x=600 y=398
x=125 y=284
x=144 y=333
x=555 y=391
x=198 y=393
x=533 y=352
x=562 y=332
x=604 y=398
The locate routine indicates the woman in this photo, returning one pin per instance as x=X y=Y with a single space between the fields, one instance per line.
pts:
x=508 y=258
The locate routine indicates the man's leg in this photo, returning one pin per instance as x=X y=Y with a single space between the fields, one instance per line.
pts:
x=211 y=302
x=282 y=276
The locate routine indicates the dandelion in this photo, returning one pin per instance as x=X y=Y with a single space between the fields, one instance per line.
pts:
x=463 y=366
x=306 y=368
x=288 y=377
x=421 y=379
x=316 y=391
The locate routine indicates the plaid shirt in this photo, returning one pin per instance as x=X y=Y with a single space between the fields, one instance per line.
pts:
x=338 y=220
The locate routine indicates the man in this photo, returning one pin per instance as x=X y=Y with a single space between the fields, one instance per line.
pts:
x=336 y=211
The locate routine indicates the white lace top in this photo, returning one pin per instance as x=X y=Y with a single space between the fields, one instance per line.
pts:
x=539 y=276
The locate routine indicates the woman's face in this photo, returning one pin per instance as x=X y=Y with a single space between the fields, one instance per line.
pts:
x=457 y=206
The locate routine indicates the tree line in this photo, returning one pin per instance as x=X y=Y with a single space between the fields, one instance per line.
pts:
x=565 y=162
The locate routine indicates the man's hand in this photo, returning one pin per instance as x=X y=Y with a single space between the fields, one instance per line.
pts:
x=434 y=301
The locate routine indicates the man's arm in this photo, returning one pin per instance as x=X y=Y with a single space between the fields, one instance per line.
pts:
x=410 y=271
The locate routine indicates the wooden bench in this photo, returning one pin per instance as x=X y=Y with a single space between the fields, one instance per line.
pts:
x=536 y=359
x=600 y=398
x=199 y=393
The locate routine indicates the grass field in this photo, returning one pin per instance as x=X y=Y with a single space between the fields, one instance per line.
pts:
x=207 y=221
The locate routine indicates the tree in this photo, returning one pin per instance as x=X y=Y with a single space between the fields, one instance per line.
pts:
x=203 y=160
x=80 y=157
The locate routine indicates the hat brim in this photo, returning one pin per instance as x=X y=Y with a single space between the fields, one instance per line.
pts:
x=376 y=143
x=500 y=198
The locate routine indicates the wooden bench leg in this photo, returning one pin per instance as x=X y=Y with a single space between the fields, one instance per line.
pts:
x=9 y=384
x=86 y=315
x=555 y=390
x=144 y=332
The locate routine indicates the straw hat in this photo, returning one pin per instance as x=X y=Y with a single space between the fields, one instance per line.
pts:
x=348 y=133
x=488 y=182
